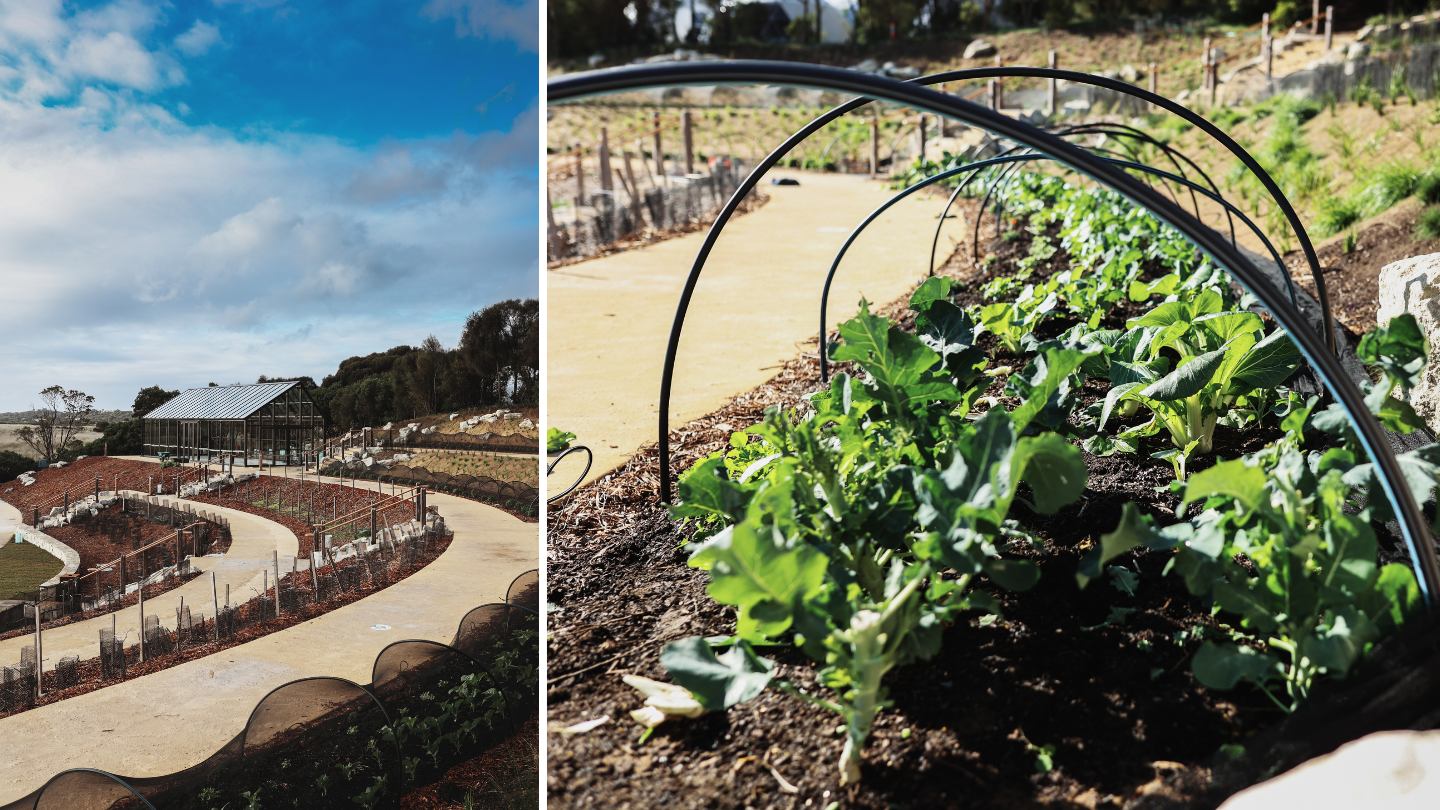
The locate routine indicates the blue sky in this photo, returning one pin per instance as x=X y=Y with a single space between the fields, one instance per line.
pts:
x=209 y=191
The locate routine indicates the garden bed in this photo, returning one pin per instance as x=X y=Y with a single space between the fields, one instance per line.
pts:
x=90 y=676
x=1066 y=696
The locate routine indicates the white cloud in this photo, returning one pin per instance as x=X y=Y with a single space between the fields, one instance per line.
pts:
x=146 y=251
x=201 y=37
x=517 y=20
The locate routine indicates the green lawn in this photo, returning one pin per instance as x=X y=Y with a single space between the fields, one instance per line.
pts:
x=23 y=567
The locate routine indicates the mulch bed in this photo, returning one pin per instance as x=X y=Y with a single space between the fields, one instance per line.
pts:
x=1353 y=279
x=1117 y=701
x=327 y=500
x=503 y=778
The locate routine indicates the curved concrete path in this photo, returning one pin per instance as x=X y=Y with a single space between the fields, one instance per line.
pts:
x=173 y=719
x=254 y=541
x=755 y=306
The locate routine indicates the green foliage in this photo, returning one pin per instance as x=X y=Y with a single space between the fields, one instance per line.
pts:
x=1392 y=183
x=839 y=529
x=148 y=399
x=1427 y=188
x=1427 y=226
x=557 y=440
x=717 y=682
x=1335 y=214
x=12 y=464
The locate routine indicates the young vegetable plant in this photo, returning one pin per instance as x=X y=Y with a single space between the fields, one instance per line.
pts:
x=861 y=525
x=1311 y=598
x=1222 y=355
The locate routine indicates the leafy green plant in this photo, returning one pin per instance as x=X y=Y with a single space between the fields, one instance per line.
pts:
x=375 y=794
x=1222 y=356
x=840 y=531
x=557 y=440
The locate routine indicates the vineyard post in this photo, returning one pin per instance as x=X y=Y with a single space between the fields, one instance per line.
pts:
x=922 y=139
x=97 y=490
x=1054 y=91
x=372 y=524
x=994 y=95
x=1314 y=16
x=659 y=152
x=687 y=138
x=67 y=502
x=579 y=200
x=215 y=599
x=874 y=147
x=1152 y=80
x=1329 y=34
x=551 y=231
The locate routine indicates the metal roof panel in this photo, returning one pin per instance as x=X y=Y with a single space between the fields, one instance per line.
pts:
x=221 y=402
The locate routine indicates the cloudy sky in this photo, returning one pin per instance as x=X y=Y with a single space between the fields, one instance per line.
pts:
x=195 y=192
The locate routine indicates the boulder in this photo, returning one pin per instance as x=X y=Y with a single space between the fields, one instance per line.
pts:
x=1388 y=769
x=1357 y=50
x=1413 y=285
x=1129 y=74
x=1364 y=33
x=527 y=425
x=979 y=49
x=511 y=417
x=388 y=426
x=454 y=416
x=60 y=464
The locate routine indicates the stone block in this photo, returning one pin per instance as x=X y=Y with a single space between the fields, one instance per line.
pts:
x=1413 y=285
x=979 y=49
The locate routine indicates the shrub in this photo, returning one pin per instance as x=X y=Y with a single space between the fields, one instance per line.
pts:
x=12 y=464
x=1428 y=225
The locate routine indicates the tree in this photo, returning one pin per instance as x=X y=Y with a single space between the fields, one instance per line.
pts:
x=501 y=343
x=62 y=417
x=149 y=399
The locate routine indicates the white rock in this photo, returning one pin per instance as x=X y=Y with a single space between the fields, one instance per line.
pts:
x=979 y=49
x=527 y=425
x=511 y=417
x=1413 y=285
x=1364 y=33
x=81 y=458
x=1357 y=50
x=1129 y=73
x=454 y=416
x=388 y=426
x=60 y=464
x=1389 y=770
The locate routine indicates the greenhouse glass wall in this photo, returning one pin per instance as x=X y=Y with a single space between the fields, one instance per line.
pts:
x=274 y=423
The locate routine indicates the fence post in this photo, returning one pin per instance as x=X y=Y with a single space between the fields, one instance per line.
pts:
x=579 y=201
x=607 y=182
x=659 y=150
x=39 y=653
x=874 y=147
x=994 y=94
x=314 y=575
x=141 y=590
x=1267 y=46
x=999 y=85
x=1052 y=98
x=1205 y=65
x=97 y=490
x=215 y=599
x=922 y=139
x=1329 y=34
x=1314 y=16
x=276 y=559
x=687 y=137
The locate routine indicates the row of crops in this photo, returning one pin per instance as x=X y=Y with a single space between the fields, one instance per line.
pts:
x=891 y=504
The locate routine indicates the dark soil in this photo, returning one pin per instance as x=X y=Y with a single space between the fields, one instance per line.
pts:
x=1353 y=279
x=1114 y=696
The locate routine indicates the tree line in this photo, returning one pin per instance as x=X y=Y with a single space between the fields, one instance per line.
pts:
x=496 y=363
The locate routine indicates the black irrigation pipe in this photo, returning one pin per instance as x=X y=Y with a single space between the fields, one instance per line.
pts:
x=975 y=169
x=1317 y=350
x=589 y=459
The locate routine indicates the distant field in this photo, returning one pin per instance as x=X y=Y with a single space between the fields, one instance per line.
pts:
x=24 y=567
x=9 y=442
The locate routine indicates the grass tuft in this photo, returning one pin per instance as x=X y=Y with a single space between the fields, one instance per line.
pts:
x=1428 y=225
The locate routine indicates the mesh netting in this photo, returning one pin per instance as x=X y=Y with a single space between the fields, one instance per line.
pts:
x=299 y=719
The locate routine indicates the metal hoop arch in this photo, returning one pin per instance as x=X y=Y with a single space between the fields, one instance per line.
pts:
x=589 y=459
x=607 y=78
x=1318 y=351
x=980 y=166
x=119 y=781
